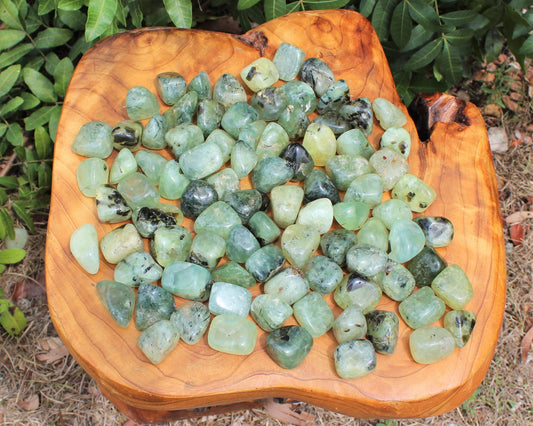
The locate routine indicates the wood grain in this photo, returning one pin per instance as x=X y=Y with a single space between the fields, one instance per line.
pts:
x=456 y=162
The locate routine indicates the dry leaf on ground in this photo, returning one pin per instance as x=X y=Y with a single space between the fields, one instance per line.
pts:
x=55 y=350
x=517 y=233
x=30 y=403
x=526 y=345
x=283 y=413
x=518 y=217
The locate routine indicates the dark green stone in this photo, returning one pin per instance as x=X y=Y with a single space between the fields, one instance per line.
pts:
x=148 y=219
x=241 y=244
x=437 y=229
x=425 y=266
x=158 y=340
x=271 y=172
x=201 y=84
x=209 y=115
x=357 y=290
x=396 y=281
x=269 y=311
x=183 y=111
x=358 y=112
x=288 y=346
x=382 y=330
x=264 y=228
x=421 y=308
x=337 y=95
x=153 y=304
x=127 y=134
x=323 y=274
x=314 y=314
x=265 y=262
x=299 y=159
x=334 y=121
x=170 y=86
x=237 y=116
x=183 y=137
x=365 y=259
x=318 y=185
x=343 y=169
x=317 y=74
x=232 y=272
x=299 y=94
x=294 y=120
x=269 y=103
x=153 y=136
x=207 y=249
x=136 y=269
x=335 y=244
x=198 y=196
x=218 y=218
x=119 y=300
x=245 y=202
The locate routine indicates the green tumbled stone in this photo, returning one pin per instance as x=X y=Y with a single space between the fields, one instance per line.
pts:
x=191 y=320
x=264 y=228
x=288 y=346
x=201 y=161
x=271 y=172
x=318 y=185
x=317 y=214
x=335 y=244
x=366 y=260
x=170 y=86
x=299 y=243
x=232 y=272
x=335 y=96
x=390 y=165
x=120 y=242
x=245 y=202
x=84 y=247
x=288 y=60
x=136 y=269
x=224 y=141
x=265 y=262
x=354 y=142
x=334 y=121
x=425 y=266
x=431 y=344
x=209 y=115
x=343 y=169
x=232 y=334
x=460 y=324
x=171 y=243
x=382 y=330
x=406 y=240
x=187 y=280
x=260 y=74
x=300 y=94
x=414 y=191
x=20 y=238
x=251 y=133
x=272 y=142
x=317 y=74
x=158 y=340
x=397 y=139
x=269 y=103
x=151 y=163
x=90 y=174
x=227 y=298
x=294 y=120
x=237 y=116
x=314 y=314
x=350 y=325
x=392 y=210
x=355 y=359
x=421 y=308
x=320 y=142
x=357 y=290
x=141 y=103
x=288 y=285
x=124 y=165
x=269 y=311
x=172 y=182
x=138 y=190
x=153 y=136
x=299 y=159
x=183 y=137
x=396 y=281
x=228 y=90
x=453 y=286
x=323 y=274
x=437 y=229
x=148 y=219
x=286 y=201
x=243 y=159
x=183 y=111
x=358 y=112
x=197 y=196
x=207 y=249
x=241 y=244
x=367 y=188
x=94 y=139
x=351 y=215
x=119 y=300
x=388 y=114
x=225 y=182
x=127 y=134
x=374 y=233
x=201 y=84
x=153 y=304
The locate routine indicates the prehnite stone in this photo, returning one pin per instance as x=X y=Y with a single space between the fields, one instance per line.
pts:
x=127 y=134
x=94 y=139
x=153 y=304
x=269 y=103
x=138 y=190
x=337 y=95
x=388 y=114
x=374 y=233
x=183 y=137
x=289 y=285
x=431 y=344
x=299 y=159
x=392 y=210
x=136 y=269
x=271 y=172
x=141 y=103
x=323 y=274
x=171 y=243
x=187 y=280
x=245 y=202
x=227 y=298
x=334 y=121
x=415 y=192
x=148 y=219
x=119 y=300
x=120 y=242
x=366 y=260
x=397 y=139
x=317 y=214
x=317 y=74
x=320 y=142
x=228 y=90
x=294 y=120
x=172 y=182
x=158 y=340
x=84 y=247
x=335 y=244
x=350 y=325
x=232 y=334
x=237 y=116
x=20 y=239
x=201 y=161
x=406 y=240
x=396 y=281
x=318 y=185
x=425 y=266
x=197 y=196
x=288 y=346
x=421 y=308
x=354 y=359
x=241 y=244
x=358 y=290
x=272 y=142
x=260 y=74
x=151 y=163
x=358 y=112
x=207 y=249
x=243 y=159
x=209 y=115
x=269 y=311
x=460 y=324
x=251 y=133
x=383 y=327
x=124 y=165
x=201 y=84
x=232 y=272
x=218 y=218
x=288 y=60
x=314 y=314
x=453 y=286
x=191 y=320
x=111 y=207
x=183 y=111
x=225 y=182
x=390 y=165
x=354 y=142
x=264 y=228
x=351 y=215
x=90 y=174
x=286 y=201
x=265 y=262
x=437 y=229
x=170 y=87
x=299 y=94
x=299 y=243
x=153 y=136
x=367 y=189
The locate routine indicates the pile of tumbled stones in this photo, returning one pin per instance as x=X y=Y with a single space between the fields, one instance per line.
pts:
x=217 y=138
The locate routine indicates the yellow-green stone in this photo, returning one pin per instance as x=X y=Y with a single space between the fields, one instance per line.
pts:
x=94 y=139
x=138 y=190
x=320 y=142
x=317 y=214
x=124 y=165
x=228 y=90
x=314 y=314
x=390 y=165
x=382 y=330
x=358 y=290
x=421 y=308
x=153 y=136
x=272 y=141
x=232 y=272
x=136 y=269
x=354 y=142
x=187 y=280
x=158 y=340
x=91 y=173
x=355 y=359
x=351 y=215
x=227 y=298
x=288 y=285
x=191 y=319
x=288 y=60
x=350 y=325
x=170 y=86
x=127 y=134
x=374 y=233
x=460 y=324
x=269 y=311
x=414 y=191
x=141 y=103
x=84 y=247
x=286 y=201
x=367 y=188
x=183 y=137
x=398 y=139
x=120 y=242
x=453 y=286
x=431 y=344
x=232 y=334
x=388 y=114
x=207 y=249
x=406 y=240
x=299 y=243
x=343 y=169
x=171 y=243
x=260 y=74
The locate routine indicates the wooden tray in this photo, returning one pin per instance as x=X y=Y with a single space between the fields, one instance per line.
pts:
x=456 y=162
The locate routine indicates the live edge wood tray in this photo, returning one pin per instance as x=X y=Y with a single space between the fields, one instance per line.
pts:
x=456 y=161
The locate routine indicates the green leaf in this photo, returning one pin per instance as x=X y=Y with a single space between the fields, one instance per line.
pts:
x=39 y=85
x=9 y=182
x=419 y=37
x=136 y=15
x=13 y=55
x=53 y=122
x=62 y=74
x=2 y=268
x=295 y=6
x=30 y=101
x=22 y=214
x=79 y=47
x=424 y=15
x=11 y=105
x=74 y=19
x=69 y=5
x=10 y=256
x=43 y=143
x=44 y=176
x=424 y=56
x=527 y=47
x=275 y=8
x=246 y=4
x=14 y=134
x=180 y=12
x=100 y=15
x=46 y=6
x=256 y=14
x=8 y=78
x=3 y=197
x=9 y=14
x=366 y=7
x=325 y=4
x=5 y=218
x=459 y=18
x=52 y=59
x=493 y=44
x=3 y=130
x=461 y=38
x=401 y=25
x=382 y=16
x=39 y=117
x=8 y=38
x=449 y=64
x=52 y=37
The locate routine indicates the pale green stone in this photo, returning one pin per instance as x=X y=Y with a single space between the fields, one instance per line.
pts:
x=151 y=163
x=415 y=192
x=201 y=84
x=367 y=188
x=271 y=172
x=207 y=249
x=183 y=111
x=320 y=142
x=317 y=74
x=90 y=174
x=392 y=210
x=300 y=94
x=398 y=139
x=265 y=262
x=323 y=274
x=314 y=314
x=187 y=280
x=171 y=243
x=453 y=286
x=224 y=141
x=225 y=182
x=136 y=269
x=127 y=134
x=374 y=233
x=355 y=359
x=153 y=136
x=406 y=240
x=337 y=95
x=84 y=247
x=111 y=207
x=289 y=285
x=237 y=116
x=285 y=201
x=124 y=165
x=241 y=244
x=269 y=103
x=138 y=190
x=94 y=139
x=334 y=121
x=264 y=228
x=228 y=90
x=317 y=214
x=366 y=260
x=335 y=244
x=170 y=86
x=294 y=120
x=120 y=242
x=201 y=161
x=232 y=334
x=460 y=324
x=141 y=103
x=119 y=300
x=350 y=325
x=153 y=304
x=260 y=74
x=218 y=218
x=388 y=114
x=354 y=142
x=421 y=308
x=191 y=319
x=351 y=215
x=390 y=165
x=251 y=133
x=269 y=311
x=172 y=182
x=158 y=340
x=431 y=344
x=209 y=115
x=243 y=159
x=227 y=298
x=396 y=281
x=288 y=60
x=272 y=141
x=437 y=229
x=232 y=272
x=183 y=137
x=357 y=290
x=299 y=243
x=20 y=240
x=343 y=169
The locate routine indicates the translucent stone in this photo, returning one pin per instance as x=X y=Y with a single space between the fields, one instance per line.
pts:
x=318 y=185
x=94 y=140
x=269 y=311
x=354 y=142
x=120 y=242
x=172 y=182
x=158 y=341
x=124 y=165
x=209 y=115
x=382 y=330
x=232 y=334
x=314 y=314
x=374 y=233
x=357 y=290
x=171 y=243
x=201 y=161
x=453 y=286
x=207 y=249
x=272 y=142
x=119 y=300
x=187 y=280
x=241 y=244
x=141 y=103
x=288 y=346
x=366 y=260
x=243 y=159
x=300 y=94
x=406 y=240
x=245 y=202
x=398 y=139
x=390 y=165
x=299 y=243
x=225 y=182
x=320 y=142
x=355 y=359
x=227 y=298
x=431 y=344
x=84 y=247
x=251 y=133
x=334 y=121
x=228 y=90
x=367 y=189
x=127 y=134
x=286 y=201
x=335 y=96
x=350 y=325
x=170 y=87
x=437 y=229
x=153 y=304
x=148 y=219
x=288 y=285
x=237 y=116
x=271 y=172
x=269 y=103
x=201 y=84
x=323 y=274
x=264 y=228
x=110 y=205
x=151 y=163
x=260 y=74
x=388 y=114
x=299 y=159
x=288 y=60
x=197 y=196
x=265 y=262
x=232 y=272
x=318 y=214
x=425 y=266
x=183 y=137
x=396 y=281
x=335 y=244
x=460 y=324
x=138 y=190
x=391 y=211
x=421 y=308
x=343 y=169
x=294 y=120
x=224 y=141
x=136 y=269
x=415 y=192
x=20 y=240
x=183 y=111
x=351 y=215
x=358 y=112
x=191 y=320
x=317 y=74
x=91 y=173
x=153 y=136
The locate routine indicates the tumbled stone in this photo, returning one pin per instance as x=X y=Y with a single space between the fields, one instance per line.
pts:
x=323 y=274
x=314 y=314
x=358 y=112
x=224 y=141
x=148 y=219
x=366 y=260
x=158 y=340
x=269 y=311
x=20 y=238
x=392 y=210
x=431 y=344
x=334 y=121
x=183 y=111
x=396 y=281
x=170 y=243
x=245 y=202
x=406 y=240
x=232 y=334
x=358 y=290
x=251 y=133
x=318 y=185
x=288 y=285
x=354 y=142
x=367 y=188
x=271 y=172
x=94 y=140
x=299 y=243
x=374 y=233
x=183 y=137
x=201 y=84
x=260 y=74
x=209 y=114
x=228 y=90
x=136 y=269
x=197 y=196
x=227 y=298
x=421 y=308
x=397 y=139
x=299 y=159
x=120 y=242
x=153 y=136
x=264 y=228
x=127 y=134
x=437 y=229
x=191 y=319
x=237 y=116
x=390 y=165
x=241 y=244
x=154 y=304
x=124 y=165
x=170 y=87
x=272 y=142
x=350 y=325
x=320 y=142
x=119 y=300
x=453 y=286
x=111 y=207
x=286 y=201
x=265 y=262
x=201 y=161
x=425 y=266
x=388 y=114
x=218 y=218
x=269 y=103
x=84 y=247
x=318 y=214
x=343 y=169
x=172 y=182
x=225 y=181
x=294 y=120
x=414 y=191
x=335 y=244
x=335 y=96
x=207 y=249
x=299 y=94
x=138 y=190
x=354 y=359
x=460 y=324
x=90 y=174
x=383 y=327
x=151 y=163
x=141 y=103
x=288 y=346
x=232 y=272
x=351 y=215
x=317 y=74
x=288 y=60
x=187 y=280
x=243 y=159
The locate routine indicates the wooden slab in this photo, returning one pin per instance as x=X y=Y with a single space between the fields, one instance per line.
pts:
x=456 y=162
